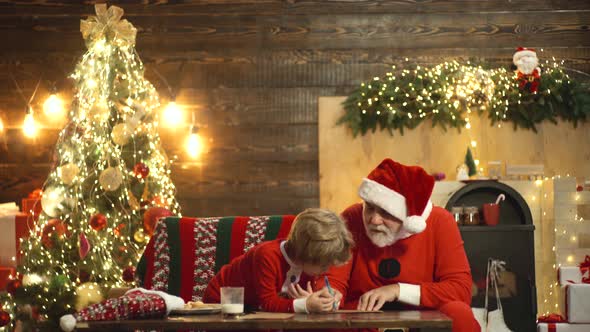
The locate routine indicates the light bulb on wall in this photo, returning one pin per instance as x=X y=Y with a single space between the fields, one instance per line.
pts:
x=173 y=115
x=194 y=143
x=29 y=125
x=53 y=105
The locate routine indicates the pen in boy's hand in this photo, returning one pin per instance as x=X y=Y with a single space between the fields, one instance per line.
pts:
x=331 y=291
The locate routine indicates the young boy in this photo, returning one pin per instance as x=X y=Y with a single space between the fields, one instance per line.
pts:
x=278 y=275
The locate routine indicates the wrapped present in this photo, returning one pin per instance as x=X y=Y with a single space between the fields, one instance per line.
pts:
x=32 y=203
x=574 y=274
x=15 y=226
x=577 y=303
x=562 y=327
x=6 y=273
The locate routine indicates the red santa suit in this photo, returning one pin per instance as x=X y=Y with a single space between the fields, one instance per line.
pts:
x=427 y=259
x=265 y=271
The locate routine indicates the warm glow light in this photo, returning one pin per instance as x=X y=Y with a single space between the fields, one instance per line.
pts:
x=474 y=144
x=570 y=259
x=468 y=125
x=173 y=116
x=476 y=161
x=29 y=126
x=53 y=105
x=1 y=126
x=538 y=182
x=194 y=145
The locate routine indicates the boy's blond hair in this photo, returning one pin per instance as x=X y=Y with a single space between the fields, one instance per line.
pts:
x=320 y=237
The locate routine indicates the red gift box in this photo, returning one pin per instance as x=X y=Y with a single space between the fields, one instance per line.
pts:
x=32 y=204
x=14 y=227
x=6 y=273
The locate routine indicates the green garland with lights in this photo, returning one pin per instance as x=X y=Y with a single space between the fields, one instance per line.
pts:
x=449 y=93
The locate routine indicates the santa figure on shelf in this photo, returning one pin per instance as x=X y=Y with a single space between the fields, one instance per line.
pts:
x=528 y=74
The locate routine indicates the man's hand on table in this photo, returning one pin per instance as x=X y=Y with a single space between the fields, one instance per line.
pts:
x=375 y=298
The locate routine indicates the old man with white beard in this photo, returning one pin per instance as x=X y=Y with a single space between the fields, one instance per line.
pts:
x=409 y=254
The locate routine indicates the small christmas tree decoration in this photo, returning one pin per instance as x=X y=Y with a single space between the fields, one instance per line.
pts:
x=86 y=294
x=83 y=276
x=52 y=199
x=117 y=231
x=32 y=279
x=4 y=318
x=139 y=236
x=141 y=171
x=54 y=228
x=99 y=112
x=12 y=286
x=110 y=179
x=133 y=203
x=83 y=246
x=68 y=173
x=129 y=274
x=98 y=221
x=470 y=163
x=151 y=217
x=121 y=134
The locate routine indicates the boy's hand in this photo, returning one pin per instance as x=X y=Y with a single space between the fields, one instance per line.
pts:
x=320 y=301
x=295 y=291
x=375 y=298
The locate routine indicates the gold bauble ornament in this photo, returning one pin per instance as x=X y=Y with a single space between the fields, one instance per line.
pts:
x=110 y=179
x=86 y=294
x=68 y=172
x=100 y=111
x=121 y=134
x=139 y=236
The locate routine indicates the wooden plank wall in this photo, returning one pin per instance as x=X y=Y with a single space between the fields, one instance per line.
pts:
x=252 y=72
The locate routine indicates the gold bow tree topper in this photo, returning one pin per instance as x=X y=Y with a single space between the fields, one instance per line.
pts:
x=107 y=24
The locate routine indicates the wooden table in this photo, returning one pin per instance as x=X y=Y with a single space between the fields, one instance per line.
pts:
x=433 y=320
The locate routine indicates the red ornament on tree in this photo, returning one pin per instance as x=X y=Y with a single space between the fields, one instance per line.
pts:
x=117 y=231
x=12 y=286
x=4 y=318
x=151 y=217
x=98 y=221
x=129 y=274
x=54 y=226
x=83 y=276
x=141 y=170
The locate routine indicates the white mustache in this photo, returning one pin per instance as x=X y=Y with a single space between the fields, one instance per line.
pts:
x=379 y=228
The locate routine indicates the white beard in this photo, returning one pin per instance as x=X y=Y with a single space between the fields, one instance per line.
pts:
x=380 y=235
x=527 y=64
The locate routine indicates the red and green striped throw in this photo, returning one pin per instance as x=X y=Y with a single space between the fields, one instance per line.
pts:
x=185 y=253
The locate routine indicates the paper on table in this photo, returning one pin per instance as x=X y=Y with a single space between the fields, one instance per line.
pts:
x=351 y=311
x=268 y=315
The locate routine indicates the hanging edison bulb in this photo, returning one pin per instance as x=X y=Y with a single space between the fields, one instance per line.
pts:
x=173 y=115
x=29 y=125
x=53 y=105
x=194 y=143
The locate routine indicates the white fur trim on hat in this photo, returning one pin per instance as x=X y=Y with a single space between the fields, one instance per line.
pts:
x=172 y=302
x=519 y=54
x=416 y=224
x=385 y=198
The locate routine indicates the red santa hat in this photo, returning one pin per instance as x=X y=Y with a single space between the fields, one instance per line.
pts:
x=521 y=52
x=402 y=191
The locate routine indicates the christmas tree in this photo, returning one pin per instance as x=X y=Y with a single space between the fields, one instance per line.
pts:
x=470 y=163
x=110 y=181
